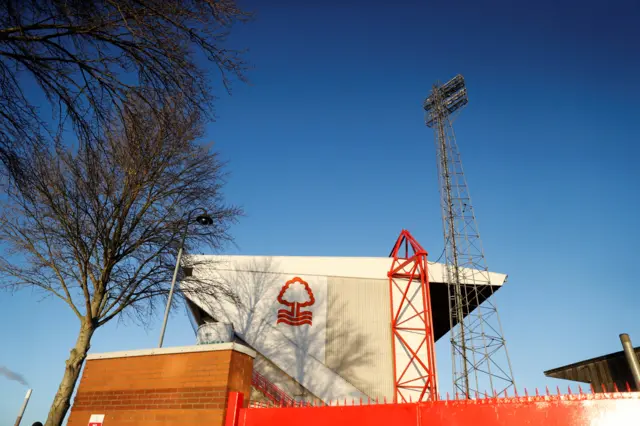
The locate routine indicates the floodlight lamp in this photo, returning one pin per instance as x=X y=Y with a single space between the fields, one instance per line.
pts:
x=445 y=100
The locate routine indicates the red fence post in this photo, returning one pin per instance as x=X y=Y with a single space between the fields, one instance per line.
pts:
x=234 y=405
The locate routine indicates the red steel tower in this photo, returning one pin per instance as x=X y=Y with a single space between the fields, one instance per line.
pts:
x=414 y=359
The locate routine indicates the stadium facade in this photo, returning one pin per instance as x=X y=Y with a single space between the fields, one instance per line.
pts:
x=320 y=325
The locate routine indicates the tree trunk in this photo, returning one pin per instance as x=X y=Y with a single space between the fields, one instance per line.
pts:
x=62 y=400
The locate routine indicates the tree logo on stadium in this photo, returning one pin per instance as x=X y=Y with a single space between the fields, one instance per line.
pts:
x=295 y=295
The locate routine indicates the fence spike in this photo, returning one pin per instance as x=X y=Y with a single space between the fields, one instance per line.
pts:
x=495 y=394
x=410 y=398
x=456 y=395
x=368 y=400
x=385 y=399
x=615 y=387
x=360 y=400
x=447 y=395
x=603 y=388
x=580 y=389
x=537 y=392
x=345 y=402
x=558 y=389
x=476 y=391
x=546 y=388
x=593 y=389
x=526 y=393
x=506 y=394
x=377 y=400
x=628 y=386
x=569 y=390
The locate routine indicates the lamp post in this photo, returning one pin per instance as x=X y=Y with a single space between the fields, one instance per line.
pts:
x=24 y=407
x=203 y=219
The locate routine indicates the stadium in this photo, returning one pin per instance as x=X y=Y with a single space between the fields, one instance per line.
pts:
x=321 y=326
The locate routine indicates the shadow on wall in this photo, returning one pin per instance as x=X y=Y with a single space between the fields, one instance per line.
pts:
x=253 y=310
x=354 y=351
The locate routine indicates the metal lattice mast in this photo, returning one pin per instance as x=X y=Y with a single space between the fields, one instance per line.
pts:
x=480 y=360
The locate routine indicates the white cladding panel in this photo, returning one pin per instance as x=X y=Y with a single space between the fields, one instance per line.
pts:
x=359 y=334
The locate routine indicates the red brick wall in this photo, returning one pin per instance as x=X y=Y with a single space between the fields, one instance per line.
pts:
x=165 y=389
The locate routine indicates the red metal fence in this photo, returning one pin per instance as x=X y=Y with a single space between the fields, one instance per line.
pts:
x=602 y=409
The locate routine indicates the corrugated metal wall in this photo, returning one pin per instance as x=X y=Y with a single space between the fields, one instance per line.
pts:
x=358 y=334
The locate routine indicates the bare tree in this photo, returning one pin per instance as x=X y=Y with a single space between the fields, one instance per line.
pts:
x=88 y=57
x=98 y=226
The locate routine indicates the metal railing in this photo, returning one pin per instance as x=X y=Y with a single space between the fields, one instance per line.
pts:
x=273 y=393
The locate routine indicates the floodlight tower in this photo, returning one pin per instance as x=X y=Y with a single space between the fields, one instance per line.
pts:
x=479 y=356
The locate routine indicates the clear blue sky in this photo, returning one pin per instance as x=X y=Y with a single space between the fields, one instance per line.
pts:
x=327 y=145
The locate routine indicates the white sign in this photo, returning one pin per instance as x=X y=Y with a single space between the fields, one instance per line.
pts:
x=96 y=420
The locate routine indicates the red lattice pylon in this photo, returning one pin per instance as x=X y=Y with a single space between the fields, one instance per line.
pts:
x=413 y=348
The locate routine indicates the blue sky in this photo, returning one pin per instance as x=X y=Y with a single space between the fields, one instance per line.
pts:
x=327 y=145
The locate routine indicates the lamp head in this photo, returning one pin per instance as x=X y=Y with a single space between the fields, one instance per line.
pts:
x=204 y=219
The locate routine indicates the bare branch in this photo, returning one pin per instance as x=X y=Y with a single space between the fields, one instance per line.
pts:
x=100 y=225
x=90 y=58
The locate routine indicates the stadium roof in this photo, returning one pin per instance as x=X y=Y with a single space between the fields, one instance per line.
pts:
x=605 y=370
x=354 y=267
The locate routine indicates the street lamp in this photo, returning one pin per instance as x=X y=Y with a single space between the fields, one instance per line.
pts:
x=203 y=219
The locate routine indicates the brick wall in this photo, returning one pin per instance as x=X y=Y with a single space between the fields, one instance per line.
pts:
x=172 y=386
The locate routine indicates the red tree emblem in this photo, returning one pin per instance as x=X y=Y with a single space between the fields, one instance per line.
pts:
x=295 y=294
